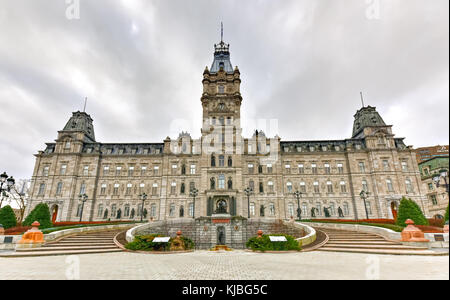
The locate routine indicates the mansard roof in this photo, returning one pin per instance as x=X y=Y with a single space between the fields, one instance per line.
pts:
x=81 y=122
x=366 y=117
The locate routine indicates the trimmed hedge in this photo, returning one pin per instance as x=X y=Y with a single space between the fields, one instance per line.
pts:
x=40 y=213
x=446 y=215
x=264 y=244
x=410 y=210
x=7 y=217
x=145 y=243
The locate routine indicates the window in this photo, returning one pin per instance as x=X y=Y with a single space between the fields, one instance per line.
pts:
x=105 y=170
x=45 y=171
x=329 y=187
x=191 y=186
x=116 y=189
x=221 y=161
x=83 y=189
x=126 y=212
x=173 y=188
x=346 y=209
x=191 y=209
x=172 y=210
x=86 y=171
x=386 y=165
x=389 y=185
x=156 y=170
x=340 y=168
x=59 y=188
x=301 y=169
x=304 y=209
x=269 y=168
x=251 y=184
x=362 y=167
x=404 y=166
x=100 y=211
x=316 y=187
x=230 y=183
x=252 y=209
x=303 y=187
x=270 y=185
x=327 y=168
x=260 y=169
x=143 y=170
x=289 y=187
x=174 y=169
x=153 y=210
x=250 y=168
x=103 y=189
x=128 y=190
x=291 y=210
x=118 y=170
x=67 y=145
x=193 y=169
x=409 y=187
x=155 y=189
x=287 y=168
x=63 y=170
x=332 y=209
x=314 y=168
x=343 y=187
x=434 y=199
x=430 y=186
x=319 y=208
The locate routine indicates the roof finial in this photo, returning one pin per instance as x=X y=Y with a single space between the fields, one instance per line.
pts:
x=221 y=32
x=85 y=101
x=362 y=99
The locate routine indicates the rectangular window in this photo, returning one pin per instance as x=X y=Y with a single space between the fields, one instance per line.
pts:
x=63 y=170
x=340 y=168
x=103 y=189
x=59 y=188
x=143 y=170
x=45 y=171
x=301 y=169
x=362 y=167
x=430 y=186
x=251 y=168
x=116 y=189
x=386 y=165
x=128 y=190
x=330 y=187
x=365 y=186
x=343 y=187
x=222 y=182
x=327 y=168
x=130 y=171
x=316 y=187
x=118 y=171
x=302 y=187
x=269 y=168
x=83 y=189
x=174 y=169
x=155 y=189
x=156 y=170
x=173 y=188
x=389 y=185
x=404 y=166
x=314 y=168
x=434 y=199
x=105 y=170
x=409 y=187
x=287 y=168
x=193 y=169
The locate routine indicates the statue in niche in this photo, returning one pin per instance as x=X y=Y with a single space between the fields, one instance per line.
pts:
x=341 y=213
x=262 y=210
x=221 y=236
x=119 y=214
x=326 y=211
x=313 y=212
x=221 y=207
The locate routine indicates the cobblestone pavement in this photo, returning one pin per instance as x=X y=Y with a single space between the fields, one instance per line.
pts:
x=241 y=265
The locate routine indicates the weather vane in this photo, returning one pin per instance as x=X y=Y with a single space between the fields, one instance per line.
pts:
x=221 y=32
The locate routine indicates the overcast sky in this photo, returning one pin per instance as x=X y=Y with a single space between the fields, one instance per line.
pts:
x=140 y=63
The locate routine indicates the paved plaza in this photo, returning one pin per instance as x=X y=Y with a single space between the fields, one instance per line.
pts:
x=240 y=265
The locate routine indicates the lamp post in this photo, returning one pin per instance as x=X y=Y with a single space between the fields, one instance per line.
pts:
x=83 y=198
x=6 y=184
x=298 y=195
x=248 y=191
x=143 y=197
x=364 y=195
x=193 y=193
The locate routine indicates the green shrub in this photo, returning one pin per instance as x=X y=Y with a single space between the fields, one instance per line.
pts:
x=40 y=213
x=264 y=244
x=145 y=243
x=446 y=215
x=410 y=210
x=7 y=217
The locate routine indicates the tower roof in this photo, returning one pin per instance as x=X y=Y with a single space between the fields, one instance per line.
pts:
x=222 y=58
x=81 y=122
x=366 y=117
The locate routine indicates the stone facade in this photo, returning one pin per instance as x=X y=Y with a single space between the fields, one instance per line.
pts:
x=221 y=164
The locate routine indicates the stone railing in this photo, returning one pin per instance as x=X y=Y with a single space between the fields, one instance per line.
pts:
x=310 y=236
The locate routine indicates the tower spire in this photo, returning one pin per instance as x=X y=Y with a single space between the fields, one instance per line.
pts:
x=221 y=32
x=362 y=99
x=85 y=102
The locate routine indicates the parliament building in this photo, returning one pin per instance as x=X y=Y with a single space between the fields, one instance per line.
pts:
x=223 y=172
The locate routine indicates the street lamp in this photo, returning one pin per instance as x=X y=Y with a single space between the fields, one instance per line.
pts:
x=193 y=193
x=364 y=195
x=9 y=182
x=298 y=195
x=83 y=198
x=248 y=191
x=143 y=197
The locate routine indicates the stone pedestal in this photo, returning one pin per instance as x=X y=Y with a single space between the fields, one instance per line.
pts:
x=446 y=228
x=413 y=234
x=32 y=238
x=2 y=230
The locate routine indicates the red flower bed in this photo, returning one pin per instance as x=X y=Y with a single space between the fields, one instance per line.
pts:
x=17 y=230
x=378 y=221
x=430 y=229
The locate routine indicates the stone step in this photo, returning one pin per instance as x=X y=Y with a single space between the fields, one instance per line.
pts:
x=382 y=251
x=69 y=244
x=366 y=243
x=358 y=240
x=54 y=253
x=353 y=236
x=363 y=246
x=67 y=248
x=87 y=239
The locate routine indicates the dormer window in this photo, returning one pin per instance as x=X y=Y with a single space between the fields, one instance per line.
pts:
x=221 y=65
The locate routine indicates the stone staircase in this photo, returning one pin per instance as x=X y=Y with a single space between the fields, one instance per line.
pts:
x=88 y=243
x=359 y=242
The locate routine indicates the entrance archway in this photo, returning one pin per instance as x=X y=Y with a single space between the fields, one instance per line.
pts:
x=55 y=209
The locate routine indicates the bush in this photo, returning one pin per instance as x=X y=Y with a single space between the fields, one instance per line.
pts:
x=410 y=210
x=446 y=215
x=264 y=244
x=7 y=217
x=40 y=213
x=145 y=243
